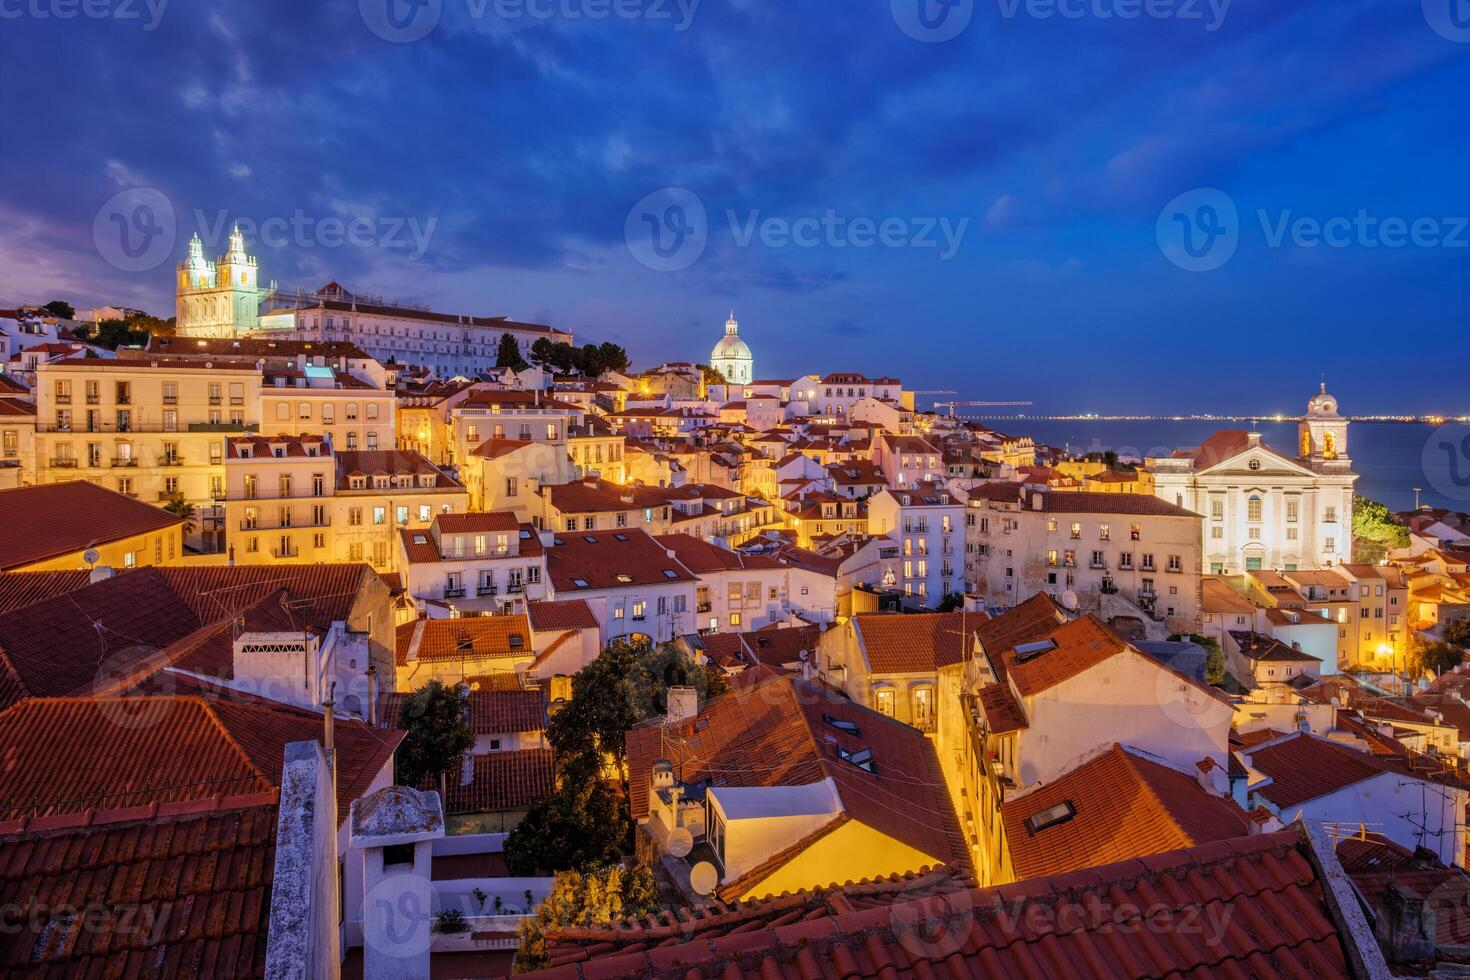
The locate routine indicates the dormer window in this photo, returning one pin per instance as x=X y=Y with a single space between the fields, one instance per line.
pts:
x=1049 y=817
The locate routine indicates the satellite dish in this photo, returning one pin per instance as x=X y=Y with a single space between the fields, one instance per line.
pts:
x=1069 y=599
x=681 y=842
x=703 y=878
x=91 y=556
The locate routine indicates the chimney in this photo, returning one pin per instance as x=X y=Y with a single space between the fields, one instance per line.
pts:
x=1253 y=438
x=1404 y=925
x=683 y=702
x=392 y=833
x=302 y=940
x=1036 y=501
x=1263 y=821
x=372 y=676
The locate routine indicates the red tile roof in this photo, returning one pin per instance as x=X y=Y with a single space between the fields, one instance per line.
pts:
x=1304 y=767
x=474 y=638
x=66 y=755
x=493 y=710
x=57 y=519
x=496 y=448
x=502 y=521
x=184 y=891
x=19 y=589
x=701 y=557
x=503 y=781
x=774 y=733
x=1270 y=915
x=920 y=643
x=603 y=558
x=1125 y=806
x=564 y=614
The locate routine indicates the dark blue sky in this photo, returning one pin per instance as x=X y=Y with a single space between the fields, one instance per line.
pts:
x=527 y=141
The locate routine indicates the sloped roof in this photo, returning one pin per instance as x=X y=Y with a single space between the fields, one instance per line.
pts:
x=920 y=643
x=603 y=558
x=503 y=781
x=1125 y=806
x=775 y=733
x=1136 y=918
x=55 y=519
x=66 y=755
x=702 y=557
x=472 y=638
x=184 y=891
x=1304 y=767
x=563 y=614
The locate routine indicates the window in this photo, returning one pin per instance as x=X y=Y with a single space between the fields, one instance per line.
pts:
x=883 y=698
x=1253 y=509
x=1104 y=532
x=1330 y=516
x=1329 y=545
x=380 y=515
x=1293 y=507
x=1176 y=563
x=1217 y=533
x=1217 y=509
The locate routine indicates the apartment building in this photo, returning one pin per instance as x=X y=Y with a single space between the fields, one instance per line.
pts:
x=472 y=564
x=501 y=413
x=278 y=499
x=150 y=429
x=927 y=522
x=1103 y=549
x=381 y=493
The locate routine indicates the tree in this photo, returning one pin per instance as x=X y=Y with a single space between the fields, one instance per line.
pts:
x=176 y=505
x=712 y=375
x=1458 y=633
x=543 y=352
x=586 y=822
x=597 y=898
x=580 y=826
x=61 y=308
x=436 y=719
x=1374 y=531
x=1214 y=656
x=614 y=358
x=508 y=354
x=952 y=602
x=1432 y=657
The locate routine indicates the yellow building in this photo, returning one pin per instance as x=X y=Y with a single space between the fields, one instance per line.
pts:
x=81 y=525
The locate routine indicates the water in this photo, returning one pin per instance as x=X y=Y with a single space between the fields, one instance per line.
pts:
x=1388 y=458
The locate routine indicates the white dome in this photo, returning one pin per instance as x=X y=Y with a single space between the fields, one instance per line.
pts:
x=1322 y=403
x=731 y=347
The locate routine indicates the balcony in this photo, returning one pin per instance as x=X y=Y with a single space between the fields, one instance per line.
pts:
x=454 y=593
x=702 y=607
x=1097 y=564
x=68 y=463
x=124 y=461
x=924 y=724
x=291 y=552
x=171 y=461
x=485 y=591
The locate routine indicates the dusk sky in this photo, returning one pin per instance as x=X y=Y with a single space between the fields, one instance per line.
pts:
x=519 y=147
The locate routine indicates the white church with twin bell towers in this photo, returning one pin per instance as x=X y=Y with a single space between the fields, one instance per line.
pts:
x=221 y=298
x=731 y=356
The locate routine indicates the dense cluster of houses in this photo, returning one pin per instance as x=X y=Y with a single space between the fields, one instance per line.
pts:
x=973 y=684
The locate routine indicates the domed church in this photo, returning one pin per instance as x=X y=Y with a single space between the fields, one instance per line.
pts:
x=731 y=356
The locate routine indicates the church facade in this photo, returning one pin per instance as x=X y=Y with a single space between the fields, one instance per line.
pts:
x=1265 y=509
x=732 y=357
x=220 y=298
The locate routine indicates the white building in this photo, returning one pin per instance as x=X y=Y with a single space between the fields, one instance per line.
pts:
x=218 y=299
x=1263 y=509
x=731 y=356
x=926 y=522
x=448 y=344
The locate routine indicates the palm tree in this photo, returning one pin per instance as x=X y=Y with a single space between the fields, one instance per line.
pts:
x=176 y=505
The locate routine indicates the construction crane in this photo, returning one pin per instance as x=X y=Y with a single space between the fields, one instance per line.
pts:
x=953 y=405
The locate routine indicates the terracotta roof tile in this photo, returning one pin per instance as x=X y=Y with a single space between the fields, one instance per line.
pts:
x=56 y=519
x=1124 y=806
x=503 y=781
x=474 y=638
x=179 y=893
x=602 y=560
x=1304 y=767
x=919 y=643
x=564 y=614
x=1130 y=919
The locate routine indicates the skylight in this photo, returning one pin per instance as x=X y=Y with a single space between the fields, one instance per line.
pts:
x=420 y=539
x=580 y=583
x=670 y=573
x=850 y=727
x=624 y=578
x=589 y=539
x=1029 y=651
x=1050 y=817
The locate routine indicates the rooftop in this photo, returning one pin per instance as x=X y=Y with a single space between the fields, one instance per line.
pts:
x=42 y=522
